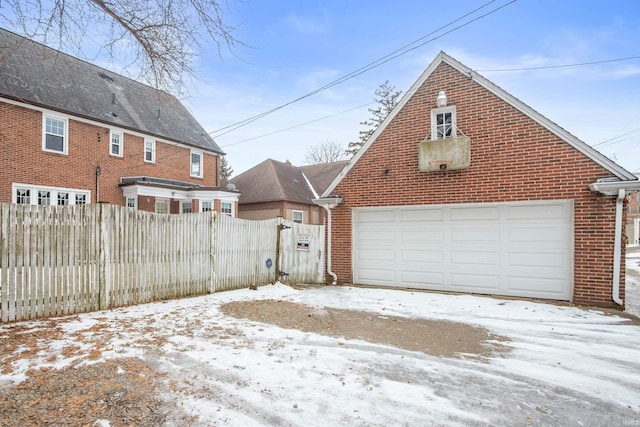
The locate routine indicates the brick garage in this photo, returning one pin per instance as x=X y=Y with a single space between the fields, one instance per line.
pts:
x=518 y=158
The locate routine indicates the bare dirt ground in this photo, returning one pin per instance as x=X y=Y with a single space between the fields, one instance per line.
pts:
x=130 y=392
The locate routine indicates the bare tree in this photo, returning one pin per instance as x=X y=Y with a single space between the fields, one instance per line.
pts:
x=325 y=152
x=160 y=38
x=387 y=98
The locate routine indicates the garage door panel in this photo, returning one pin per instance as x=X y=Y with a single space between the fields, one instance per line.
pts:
x=474 y=213
x=481 y=283
x=423 y=237
x=516 y=249
x=423 y=279
x=474 y=258
x=538 y=287
x=547 y=235
x=475 y=235
x=421 y=215
x=376 y=255
x=377 y=276
x=537 y=259
x=375 y=215
x=536 y=212
x=422 y=256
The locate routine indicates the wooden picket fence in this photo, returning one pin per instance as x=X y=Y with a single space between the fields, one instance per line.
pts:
x=57 y=260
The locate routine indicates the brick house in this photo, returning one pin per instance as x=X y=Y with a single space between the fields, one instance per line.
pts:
x=465 y=188
x=74 y=133
x=275 y=189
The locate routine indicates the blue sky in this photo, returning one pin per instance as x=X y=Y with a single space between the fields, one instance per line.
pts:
x=296 y=47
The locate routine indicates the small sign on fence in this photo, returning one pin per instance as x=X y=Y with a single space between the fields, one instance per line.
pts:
x=303 y=241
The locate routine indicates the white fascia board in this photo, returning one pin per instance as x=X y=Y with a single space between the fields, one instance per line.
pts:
x=579 y=145
x=169 y=193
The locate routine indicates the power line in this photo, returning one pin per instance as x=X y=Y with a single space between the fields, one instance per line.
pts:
x=296 y=126
x=560 y=66
x=398 y=52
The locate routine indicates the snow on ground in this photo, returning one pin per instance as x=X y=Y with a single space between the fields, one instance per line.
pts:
x=632 y=292
x=567 y=366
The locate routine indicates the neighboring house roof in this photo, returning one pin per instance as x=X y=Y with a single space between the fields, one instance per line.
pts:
x=35 y=74
x=579 y=145
x=272 y=181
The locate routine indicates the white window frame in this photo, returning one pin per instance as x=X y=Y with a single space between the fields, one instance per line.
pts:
x=120 y=143
x=162 y=202
x=222 y=205
x=131 y=202
x=183 y=204
x=151 y=143
x=34 y=190
x=293 y=216
x=200 y=171
x=65 y=133
x=211 y=205
x=434 y=121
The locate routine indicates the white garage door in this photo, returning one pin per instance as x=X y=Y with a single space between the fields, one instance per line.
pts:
x=518 y=249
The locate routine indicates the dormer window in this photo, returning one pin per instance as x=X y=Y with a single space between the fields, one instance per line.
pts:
x=443 y=123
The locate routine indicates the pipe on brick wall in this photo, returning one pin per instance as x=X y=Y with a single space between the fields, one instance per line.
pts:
x=617 y=248
x=329 y=203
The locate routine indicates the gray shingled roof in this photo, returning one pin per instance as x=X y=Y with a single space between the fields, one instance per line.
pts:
x=41 y=76
x=272 y=181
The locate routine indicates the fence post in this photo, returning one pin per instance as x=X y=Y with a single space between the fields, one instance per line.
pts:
x=213 y=235
x=104 y=261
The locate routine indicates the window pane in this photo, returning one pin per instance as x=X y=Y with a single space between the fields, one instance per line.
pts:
x=81 y=199
x=195 y=164
x=297 y=217
x=131 y=202
x=63 y=198
x=162 y=207
x=23 y=196
x=206 y=206
x=187 y=208
x=44 y=197
x=54 y=142
x=225 y=208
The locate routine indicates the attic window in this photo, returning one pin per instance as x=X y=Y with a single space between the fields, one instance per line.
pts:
x=443 y=123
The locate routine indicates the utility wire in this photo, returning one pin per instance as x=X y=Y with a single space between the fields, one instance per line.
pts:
x=296 y=126
x=546 y=67
x=398 y=52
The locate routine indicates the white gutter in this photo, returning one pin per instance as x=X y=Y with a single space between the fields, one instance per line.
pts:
x=617 y=249
x=617 y=188
x=329 y=203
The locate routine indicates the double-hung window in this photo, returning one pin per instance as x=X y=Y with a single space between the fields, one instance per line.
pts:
x=116 y=143
x=226 y=208
x=132 y=202
x=149 y=150
x=54 y=134
x=443 y=123
x=196 y=163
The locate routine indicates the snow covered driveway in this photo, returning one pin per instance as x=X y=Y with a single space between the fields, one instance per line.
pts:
x=566 y=366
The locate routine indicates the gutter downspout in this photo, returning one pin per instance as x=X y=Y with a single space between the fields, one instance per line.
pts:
x=617 y=248
x=327 y=204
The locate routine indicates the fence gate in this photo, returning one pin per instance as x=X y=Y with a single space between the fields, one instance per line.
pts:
x=301 y=253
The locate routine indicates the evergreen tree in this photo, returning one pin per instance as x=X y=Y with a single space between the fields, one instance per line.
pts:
x=225 y=169
x=387 y=98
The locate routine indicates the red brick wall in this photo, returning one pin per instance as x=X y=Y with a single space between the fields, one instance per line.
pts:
x=25 y=162
x=512 y=159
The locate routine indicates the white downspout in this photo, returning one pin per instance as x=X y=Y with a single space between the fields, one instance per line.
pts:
x=617 y=249
x=331 y=273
